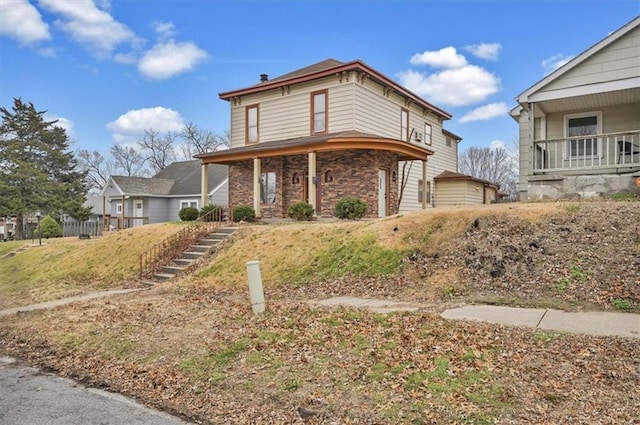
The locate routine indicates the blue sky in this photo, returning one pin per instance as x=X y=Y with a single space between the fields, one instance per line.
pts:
x=108 y=69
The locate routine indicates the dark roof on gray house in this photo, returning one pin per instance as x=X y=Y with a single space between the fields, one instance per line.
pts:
x=187 y=175
x=179 y=178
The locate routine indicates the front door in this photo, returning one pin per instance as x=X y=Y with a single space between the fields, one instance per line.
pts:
x=138 y=212
x=382 y=193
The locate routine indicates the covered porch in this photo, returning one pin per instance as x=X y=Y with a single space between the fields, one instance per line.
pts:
x=319 y=170
x=610 y=153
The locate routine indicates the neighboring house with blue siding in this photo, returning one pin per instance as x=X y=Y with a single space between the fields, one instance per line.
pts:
x=133 y=201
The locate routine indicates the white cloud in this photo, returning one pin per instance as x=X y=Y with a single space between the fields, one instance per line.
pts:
x=486 y=112
x=91 y=26
x=164 y=29
x=447 y=57
x=62 y=122
x=21 y=21
x=130 y=126
x=488 y=51
x=554 y=62
x=454 y=87
x=168 y=59
x=498 y=144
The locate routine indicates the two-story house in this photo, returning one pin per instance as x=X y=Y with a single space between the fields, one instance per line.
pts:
x=579 y=127
x=332 y=130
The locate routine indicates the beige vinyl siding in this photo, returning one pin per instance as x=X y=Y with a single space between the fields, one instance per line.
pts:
x=525 y=148
x=615 y=119
x=374 y=113
x=285 y=116
x=617 y=61
x=450 y=193
x=459 y=192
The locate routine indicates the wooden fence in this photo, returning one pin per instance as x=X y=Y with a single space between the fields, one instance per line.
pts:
x=76 y=228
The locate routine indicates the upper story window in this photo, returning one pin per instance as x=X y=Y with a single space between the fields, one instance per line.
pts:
x=251 y=124
x=448 y=142
x=404 y=124
x=427 y=134
x=319 y=112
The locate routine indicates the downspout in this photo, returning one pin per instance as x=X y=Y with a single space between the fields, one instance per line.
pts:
x=122 y=213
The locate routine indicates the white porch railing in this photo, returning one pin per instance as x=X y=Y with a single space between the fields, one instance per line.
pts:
x=619 y=151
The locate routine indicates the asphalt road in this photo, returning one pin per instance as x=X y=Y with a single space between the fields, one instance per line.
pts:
x=31 y=397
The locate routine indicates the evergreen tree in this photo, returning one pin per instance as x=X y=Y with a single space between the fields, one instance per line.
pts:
x=37 y=170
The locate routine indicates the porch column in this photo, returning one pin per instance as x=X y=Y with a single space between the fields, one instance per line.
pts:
x=204 y=184
x=122 y=214
x=424 y=184
x=312 y=182
x=256 y=186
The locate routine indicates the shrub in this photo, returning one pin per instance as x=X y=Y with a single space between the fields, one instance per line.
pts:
x=243 y=213
x=214 y=211
x=300 y=211
x=350 y=208
x=49 y=228
x=188 y=214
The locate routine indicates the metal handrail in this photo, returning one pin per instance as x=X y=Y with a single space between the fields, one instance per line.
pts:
x=162 y=253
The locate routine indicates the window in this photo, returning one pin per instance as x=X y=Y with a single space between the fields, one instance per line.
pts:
x=268 y=188
x=586 y=124
x=119 y=208
x=251 y=121
x=188 y=203
x=421 y=191
x=448 y=142
x=404 y=125
x=319 y=112
x=427 y=134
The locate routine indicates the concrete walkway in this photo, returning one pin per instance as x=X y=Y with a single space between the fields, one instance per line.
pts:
x=590 y=323
x=64 y=301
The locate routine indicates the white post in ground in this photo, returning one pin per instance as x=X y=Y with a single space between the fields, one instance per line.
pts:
x=256 y=292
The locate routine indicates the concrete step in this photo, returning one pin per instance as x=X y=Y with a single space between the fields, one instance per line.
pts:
x=148 y=283
x=199 y=248
x=183 y=262
x=163 y=277
x=217 y=236
x=209 y=241
x=192 y=255
x=175 y=270
x=227 y=230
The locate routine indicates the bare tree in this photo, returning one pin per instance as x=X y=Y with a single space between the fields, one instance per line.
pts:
x=98 y=168
x=158 y=151
x=128 y=160
x=197 y=140
x=495 y=164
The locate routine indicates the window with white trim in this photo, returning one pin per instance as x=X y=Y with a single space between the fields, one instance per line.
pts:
x=189 y=203
x=319 y=112
x=404 y=125
x=583 y=124
x=119 y=208
x=268 y=188
x=421 y=191
x=251 y=120
x=427 y=134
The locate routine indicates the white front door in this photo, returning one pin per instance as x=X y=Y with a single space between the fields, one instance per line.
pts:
x=382 y=193
x=138 y=212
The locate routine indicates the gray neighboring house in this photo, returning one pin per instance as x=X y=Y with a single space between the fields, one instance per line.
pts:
x=133 y=201
x=579 y=127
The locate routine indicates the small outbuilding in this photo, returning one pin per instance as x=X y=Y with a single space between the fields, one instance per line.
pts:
x=460 y=189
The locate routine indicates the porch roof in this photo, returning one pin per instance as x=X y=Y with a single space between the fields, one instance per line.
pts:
x=451 y=176
x=330 y=142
